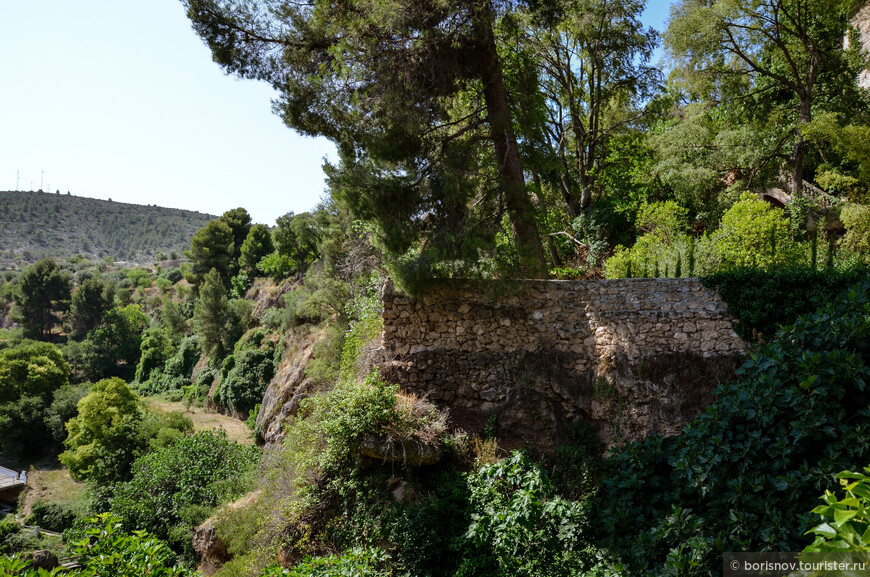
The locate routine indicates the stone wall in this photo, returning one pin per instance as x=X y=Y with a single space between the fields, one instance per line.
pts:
x=633 y=355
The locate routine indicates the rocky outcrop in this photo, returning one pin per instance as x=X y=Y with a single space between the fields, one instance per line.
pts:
x=209 y=548
x=44 y=560
x=287 y=388
x=861 y=22
x=412 y=453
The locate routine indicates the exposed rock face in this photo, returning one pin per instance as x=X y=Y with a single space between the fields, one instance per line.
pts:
x=288 y=387
x=861 y=21
x=44 y=560
x=412 y=453
x=211 y=551
x=539 y=354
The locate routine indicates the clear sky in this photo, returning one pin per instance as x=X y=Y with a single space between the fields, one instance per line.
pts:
x=120 y=99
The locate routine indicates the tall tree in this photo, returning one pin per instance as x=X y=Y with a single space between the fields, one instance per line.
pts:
x=380 y=79
x=212 y=248
x=239 y=222
x=771 y=58
x=43 y=293
x=257 y=244
x=593 y=57
x=209 y=315
x=87 y=308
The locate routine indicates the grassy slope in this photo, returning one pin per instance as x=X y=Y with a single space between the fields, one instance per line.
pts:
x=34 y=225
x=202 y=421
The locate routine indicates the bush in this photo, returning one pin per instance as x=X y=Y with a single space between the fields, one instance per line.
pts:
x=856 y=219
x=755 y=234
x=519 y=526
x=845 y=522
x=764 y=300
x=358 y=562
x=273 y=318
x=248 y=374
x=742 y=476
x=30 y=373
x=180 y=484
x=64 y=407
x=52 y=516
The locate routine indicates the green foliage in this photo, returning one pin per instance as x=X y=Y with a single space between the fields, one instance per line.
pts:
x=239 y=222
x=845 y=523
x=667 y=220
x=103 y=441
x=257 y=245
x=8 y=528
x=212 y=249
x=117 y=341
x=243 y=385
x=30 y=373
x=156 y=349
x=209 y=314
x=64 y=406
x=106 y=551
x=367 y=325
x=326 y=433
x=856 y=219
x=87 y=308
x=43 y=293
x=52 y=516
x=519 y=526
x=357 y=562
x=240 y=284
x=755 y=234
x=742 y=476
x=276 y=266
x=139 y=277
x=111 y=430
x=762 y=301
x=173 y=319
x=175 y=372
x=297 y=237
x=328 y=427
x=180 y=484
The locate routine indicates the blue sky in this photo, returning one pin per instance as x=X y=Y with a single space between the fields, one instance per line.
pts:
x=120 y=99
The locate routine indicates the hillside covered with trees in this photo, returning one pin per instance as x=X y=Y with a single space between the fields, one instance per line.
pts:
x=36 y=225
x=490 y=140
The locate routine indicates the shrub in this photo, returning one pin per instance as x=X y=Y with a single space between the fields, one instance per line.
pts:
x=180 y=484
x=856 y=218
x=519 y=526
x=357 y=562
x=52 y=516
x=64 y=406
x=246 y=379
x=764 y=300
x=755 y=234
x=742 y=476
x=845 y=522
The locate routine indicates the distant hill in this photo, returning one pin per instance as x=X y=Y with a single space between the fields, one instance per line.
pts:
x=35 y=225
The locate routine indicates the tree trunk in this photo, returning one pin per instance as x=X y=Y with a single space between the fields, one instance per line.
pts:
x=800 y=149
x=520 y=209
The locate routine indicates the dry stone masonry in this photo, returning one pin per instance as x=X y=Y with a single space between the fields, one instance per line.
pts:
x=633 y=355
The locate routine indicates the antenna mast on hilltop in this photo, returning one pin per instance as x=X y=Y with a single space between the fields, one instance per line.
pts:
x=41 y=179
x=17 y=176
